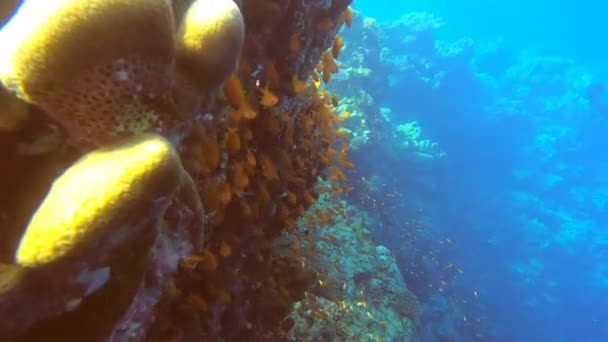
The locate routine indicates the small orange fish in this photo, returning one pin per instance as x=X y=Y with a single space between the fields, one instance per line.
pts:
x=269 y=99
x=210 y=262
x=232 y=140
x=225 y=249
x=348 y=17
x=234 y=92
x=298 y=85
x=336 y=48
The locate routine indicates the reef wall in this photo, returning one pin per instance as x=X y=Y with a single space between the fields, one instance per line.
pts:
x=154 y=153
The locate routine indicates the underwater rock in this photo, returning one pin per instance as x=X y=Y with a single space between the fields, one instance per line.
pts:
x=362 y=295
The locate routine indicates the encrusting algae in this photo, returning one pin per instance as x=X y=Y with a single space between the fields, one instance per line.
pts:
x=172 y=109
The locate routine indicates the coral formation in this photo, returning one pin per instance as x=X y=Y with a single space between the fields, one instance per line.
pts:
x=76 y=233
x=252 y=149
x=65 y=58
x=362 y=295
x=209 y=42
x=408 y=134
x=126 y=183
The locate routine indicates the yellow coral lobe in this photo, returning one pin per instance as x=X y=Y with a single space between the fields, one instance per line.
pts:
x=92 y=204
x=48 y=42
x=97 y=56
x=210 y=40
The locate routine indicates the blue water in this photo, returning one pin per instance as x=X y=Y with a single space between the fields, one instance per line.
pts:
x=515 y=217
x=572 y=28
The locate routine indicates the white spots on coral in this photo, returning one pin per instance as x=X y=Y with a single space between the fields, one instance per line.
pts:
x=122 y=75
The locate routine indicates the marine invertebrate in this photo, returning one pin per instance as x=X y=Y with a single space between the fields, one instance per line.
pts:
x=64 y=56
x=123 y=183
x=209 y=43
x=75 y=236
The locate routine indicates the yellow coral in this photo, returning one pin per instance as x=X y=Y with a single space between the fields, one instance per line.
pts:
x=209 y=43
x=210 y=39
x=80 y=60
x=98 y=200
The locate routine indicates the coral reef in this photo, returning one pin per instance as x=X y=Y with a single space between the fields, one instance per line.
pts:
x=423 y=149
x=201 y=113
x=362 y=295
x=368 y=68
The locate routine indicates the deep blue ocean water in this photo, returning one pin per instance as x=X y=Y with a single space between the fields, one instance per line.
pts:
x=517 y=213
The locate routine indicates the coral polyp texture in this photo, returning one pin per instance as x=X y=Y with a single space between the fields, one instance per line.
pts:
x=168 y=155
x=97 y=80
x=124 y=184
